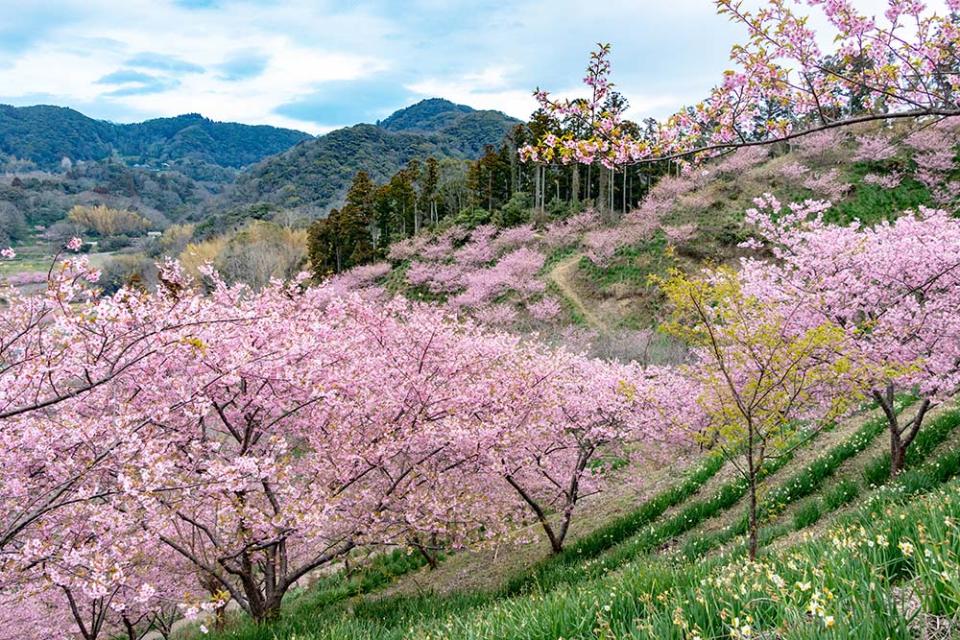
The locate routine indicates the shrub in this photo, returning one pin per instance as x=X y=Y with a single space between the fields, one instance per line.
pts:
x=515 y=211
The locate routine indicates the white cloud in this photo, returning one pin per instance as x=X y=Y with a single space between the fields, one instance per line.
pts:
x=485 y=54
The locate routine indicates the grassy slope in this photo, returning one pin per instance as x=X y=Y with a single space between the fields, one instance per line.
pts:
x=620 y=293
x=684 y=533
x=638 y=554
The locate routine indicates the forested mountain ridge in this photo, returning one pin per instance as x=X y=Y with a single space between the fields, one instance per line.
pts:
x=317 y=172
x=431 y=115
x=45 y=134
x=183 y=168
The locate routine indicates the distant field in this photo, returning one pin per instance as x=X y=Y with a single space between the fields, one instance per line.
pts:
x=36 y=256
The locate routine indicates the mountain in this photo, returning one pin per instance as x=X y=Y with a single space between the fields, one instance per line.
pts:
x=192 y=168
x=317 y=172
x=46 y=134
x=427 y=116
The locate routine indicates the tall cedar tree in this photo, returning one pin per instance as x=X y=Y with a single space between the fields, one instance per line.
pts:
x=343 y=239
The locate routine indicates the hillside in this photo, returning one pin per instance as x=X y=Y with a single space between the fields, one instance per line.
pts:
x=596 y=267
x=46 y=134
x=665 y=561
x=317 y=172
x=845 y=550
x=427 y=116
x=183 y=169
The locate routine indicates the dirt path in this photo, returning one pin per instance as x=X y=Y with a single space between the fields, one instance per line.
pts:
x=562 y=275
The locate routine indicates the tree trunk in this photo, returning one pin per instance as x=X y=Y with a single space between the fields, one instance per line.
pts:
x=271 y=610
x=213 y=587
x=429 y=557
x=752 y=478
x=613 y=191
x=603 y=197
x=130 y=629
x=897 y=454
x=753 y=507
x=624 y=190
x=556 y=542
x=536 y=192
x=901 y=436
x=575 y=183
x=539 y=199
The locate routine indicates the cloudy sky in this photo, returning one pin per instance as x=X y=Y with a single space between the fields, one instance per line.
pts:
x=315 y=65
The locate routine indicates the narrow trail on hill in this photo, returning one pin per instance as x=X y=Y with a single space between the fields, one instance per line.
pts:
x=562 y=275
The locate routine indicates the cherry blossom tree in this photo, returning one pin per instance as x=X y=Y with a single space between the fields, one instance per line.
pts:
x=317 y=426
x=784 y=84
x=894 y=288
x=71 y=366
x=767 y=379
x=98 y=571
x=567 y=421
x=204 y=444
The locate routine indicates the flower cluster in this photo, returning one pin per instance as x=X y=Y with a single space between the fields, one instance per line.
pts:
x=783 y=85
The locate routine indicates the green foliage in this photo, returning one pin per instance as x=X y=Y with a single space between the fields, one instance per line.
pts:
x=877 y=471
x=633 y=264
x=233 y=219
x=800 y=485
x=872 y=203
x=515 y=211
x=44 y=199
x=472 y=217
x=426 y=116
x=930 y=436
x=317 y=172
x=842 y=493
x=807 y=514
x=617 y=531
x=555 y=256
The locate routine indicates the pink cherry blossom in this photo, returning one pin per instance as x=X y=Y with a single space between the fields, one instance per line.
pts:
x=545 y=309
x=893 y=287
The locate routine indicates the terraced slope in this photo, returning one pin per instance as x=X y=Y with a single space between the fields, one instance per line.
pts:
x=682 y=539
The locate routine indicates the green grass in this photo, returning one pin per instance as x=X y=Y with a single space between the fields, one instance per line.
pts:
x=838 y=585
x=800 y=485
x=574 y=316
x=840 y=494
x=601 y=540
x=871 y=203
x=657 y=534
x=556 y=256
x=632 y=264
x=32 y=256
x=921 y=476
x=613 y=584
x=807 y=514
x=813 y=478
x=931 y=434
